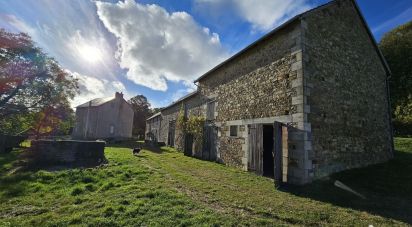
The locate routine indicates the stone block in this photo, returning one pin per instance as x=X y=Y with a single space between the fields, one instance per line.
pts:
x=308 y=164
x=296 y=66
x=304 y=126
x=306 y=109
x=299 y=117
x=297 y=82
x=296 y=136
x=297 y=100
x=308 y=145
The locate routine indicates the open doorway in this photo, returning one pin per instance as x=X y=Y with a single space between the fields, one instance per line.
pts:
x=268 y=165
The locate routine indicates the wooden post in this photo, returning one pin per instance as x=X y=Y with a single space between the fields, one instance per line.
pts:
x=277 y=129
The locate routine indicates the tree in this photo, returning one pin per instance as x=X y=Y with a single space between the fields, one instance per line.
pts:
x=141 y=108
x=396 y=46
x=31 y=83
x=54 y=120
x=155 y=110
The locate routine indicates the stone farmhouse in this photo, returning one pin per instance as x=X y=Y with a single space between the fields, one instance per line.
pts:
x=308 y=99
x=104 y=118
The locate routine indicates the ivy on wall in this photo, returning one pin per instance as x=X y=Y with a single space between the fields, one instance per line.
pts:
x=194 y=126
x=180 y=129
x=189 y=125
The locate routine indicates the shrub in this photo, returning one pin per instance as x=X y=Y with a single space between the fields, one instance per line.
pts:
x=108 y=212
x=90 y=188
x=107 y=186
x=77 y=191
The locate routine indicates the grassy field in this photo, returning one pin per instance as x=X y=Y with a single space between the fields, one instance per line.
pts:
x=165 y=188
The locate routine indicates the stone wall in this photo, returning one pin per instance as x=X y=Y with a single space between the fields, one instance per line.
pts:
x=347 y=91
x=260 y=85
x=231 y=151
x=265 y=92
x=193 y=104
x=7 y=142
x=67 y=152
x=153 y=127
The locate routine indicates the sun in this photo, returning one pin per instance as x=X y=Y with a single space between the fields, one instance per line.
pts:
x=90 y=53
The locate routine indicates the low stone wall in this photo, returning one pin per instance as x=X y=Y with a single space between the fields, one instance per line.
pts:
x=8 y=142
x=67 y=152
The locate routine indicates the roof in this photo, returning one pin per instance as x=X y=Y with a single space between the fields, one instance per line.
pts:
x=154 y=115
x=181 y=99
x=290 y=21
x=96 y=102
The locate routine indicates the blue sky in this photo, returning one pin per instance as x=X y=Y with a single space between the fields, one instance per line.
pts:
x=158 y=47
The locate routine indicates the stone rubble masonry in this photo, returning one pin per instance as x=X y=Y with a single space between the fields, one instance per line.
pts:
x=349 y=113
x=195 y=105
x=264 y=84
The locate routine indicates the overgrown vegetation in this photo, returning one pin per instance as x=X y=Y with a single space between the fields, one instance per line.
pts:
x=141 y=109
x=192 y=125
x=34 y=89
x=180 y=128
x=166 y=188
x=396 y=46
x=195 y=126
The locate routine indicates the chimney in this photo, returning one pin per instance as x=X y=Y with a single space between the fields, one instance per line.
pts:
x=118 y=95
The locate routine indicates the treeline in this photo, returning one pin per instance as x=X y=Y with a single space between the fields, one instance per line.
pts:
x=142 y=110
x=396 y=46
x=34 y=89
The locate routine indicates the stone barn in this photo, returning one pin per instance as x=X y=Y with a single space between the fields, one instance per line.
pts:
x=153 y=124
x=308 y=99
x=104 y=118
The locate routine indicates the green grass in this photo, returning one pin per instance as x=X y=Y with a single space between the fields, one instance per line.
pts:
x=165 y=188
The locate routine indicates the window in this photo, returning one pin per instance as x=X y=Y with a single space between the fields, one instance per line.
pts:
x=111 y=129
x=210 y=110
x=233 y=130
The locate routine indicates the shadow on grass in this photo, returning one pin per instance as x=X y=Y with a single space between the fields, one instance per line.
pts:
x=387 y=188
x=12 y=185
x=17 y=171
x=140 y=144
x=7 y=159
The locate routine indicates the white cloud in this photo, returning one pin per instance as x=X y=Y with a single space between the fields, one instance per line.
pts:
x=263 y=14
x=395 y=21
x=155 y=45
x=92 y=87
x=179 y=94
x=72 y=37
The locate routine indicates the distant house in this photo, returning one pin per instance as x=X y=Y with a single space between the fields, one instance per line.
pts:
x=104 y=118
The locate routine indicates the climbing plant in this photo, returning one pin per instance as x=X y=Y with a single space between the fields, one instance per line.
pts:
x=181 y=120
x=180 y=128
x=194 y=126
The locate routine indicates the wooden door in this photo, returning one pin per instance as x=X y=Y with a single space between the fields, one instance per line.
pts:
x=280 y=146
x=188 y=145
x=171 y=134
x=210 y=143
x=255 y=148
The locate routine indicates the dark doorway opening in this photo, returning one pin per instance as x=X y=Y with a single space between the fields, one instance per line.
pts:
x=171 y=134
x=268 y=165
x=188 y=149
